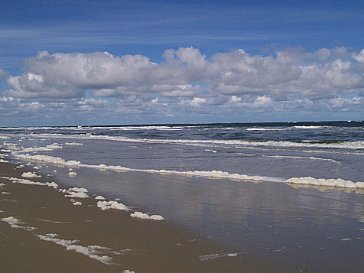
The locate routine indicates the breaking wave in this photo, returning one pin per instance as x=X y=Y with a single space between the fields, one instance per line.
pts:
x=353 y=145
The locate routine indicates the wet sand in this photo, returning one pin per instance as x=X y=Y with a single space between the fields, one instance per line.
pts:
x=42 y=241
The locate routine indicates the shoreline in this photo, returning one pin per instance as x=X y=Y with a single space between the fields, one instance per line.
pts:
x=41 y=230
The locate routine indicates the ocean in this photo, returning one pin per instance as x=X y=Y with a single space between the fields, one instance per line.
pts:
x=291 y=193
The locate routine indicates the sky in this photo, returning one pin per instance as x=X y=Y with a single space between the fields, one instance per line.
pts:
x=91 y=62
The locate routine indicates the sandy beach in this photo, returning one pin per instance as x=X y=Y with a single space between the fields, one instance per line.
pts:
x=41 y=230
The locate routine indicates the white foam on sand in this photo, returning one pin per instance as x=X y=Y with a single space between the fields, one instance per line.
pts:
x=210 y=257
x=75 y=192
x=100 y=197
x=29 y=182
x=337 y=183
x=30 y=175
x=53 y=222
x=93 y=252
x=105 y=205
x=16 y=223
x=144 y=216
x=57 y=161
x=3 y=161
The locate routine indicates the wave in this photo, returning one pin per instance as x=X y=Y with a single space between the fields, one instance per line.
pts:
x=304 y=158
x=311 y=127
x=354 y=145
x=151 y=127
x=267 y=129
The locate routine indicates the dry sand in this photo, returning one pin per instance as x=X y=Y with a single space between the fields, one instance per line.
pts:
x=141 y=246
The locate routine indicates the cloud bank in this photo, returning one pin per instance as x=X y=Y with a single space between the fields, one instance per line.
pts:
x=186 y=80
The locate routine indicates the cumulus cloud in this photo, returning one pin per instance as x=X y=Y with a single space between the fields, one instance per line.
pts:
x=324 y=73
x=186 y=80
x=359 y=57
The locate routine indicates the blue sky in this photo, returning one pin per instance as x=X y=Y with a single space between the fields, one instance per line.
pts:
x=180 y=61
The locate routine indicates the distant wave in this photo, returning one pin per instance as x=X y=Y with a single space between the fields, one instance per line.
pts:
x=241 y=143
x=311 y=127
x=304 y=158
x=267 y=129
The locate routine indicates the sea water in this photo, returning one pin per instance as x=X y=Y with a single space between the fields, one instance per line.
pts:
x=289 y=192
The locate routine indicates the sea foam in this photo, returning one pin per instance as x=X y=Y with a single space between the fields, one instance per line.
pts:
x=50 y=147
x=105 y=205
x=93 y=252
x=29 y=182
x=75 y=192
x=16 y=223
x=337 y=183
x=144 y=216
x=30 y=175
x=210 y=257
x=57 y=161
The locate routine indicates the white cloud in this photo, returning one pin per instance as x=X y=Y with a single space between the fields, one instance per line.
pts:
x=323 y=73
x=195 y=102
x=359 y=57
x=262 y=101
x=184 y=81
x=345 y=102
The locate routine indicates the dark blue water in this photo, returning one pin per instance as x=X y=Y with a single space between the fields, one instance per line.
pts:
x=321 y=132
